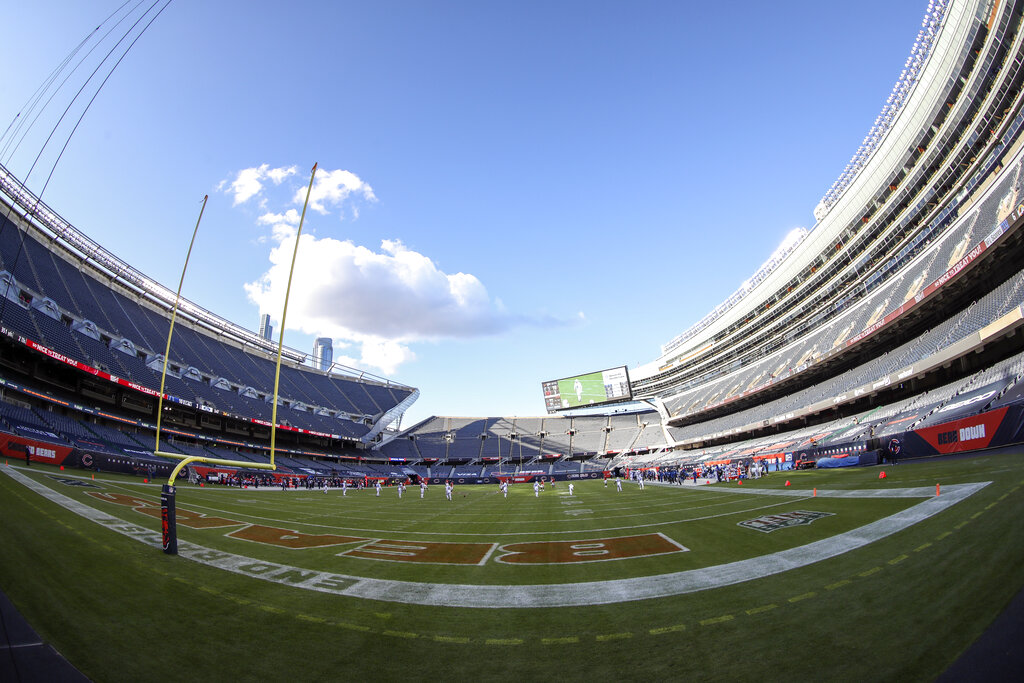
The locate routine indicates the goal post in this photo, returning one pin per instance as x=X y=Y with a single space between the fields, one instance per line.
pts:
x=168 y=491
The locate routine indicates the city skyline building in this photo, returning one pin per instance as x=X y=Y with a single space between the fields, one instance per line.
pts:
x=323 y=353
x=266 y=329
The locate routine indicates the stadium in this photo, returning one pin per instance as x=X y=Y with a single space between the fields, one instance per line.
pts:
x=820 y=478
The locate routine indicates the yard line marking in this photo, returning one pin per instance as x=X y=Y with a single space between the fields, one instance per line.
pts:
x=838 y=584
x=716 y=620
x=798 y=598
x=897 y=560
x=504 y=641
x=667 y=629
x=762 y=608
x=350 y=627
x=614 y=636
x=873 y=570
x=560 y=641
x=922 y=547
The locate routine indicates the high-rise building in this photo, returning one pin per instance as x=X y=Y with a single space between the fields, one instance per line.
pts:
x=266 y=329
x=323 y=353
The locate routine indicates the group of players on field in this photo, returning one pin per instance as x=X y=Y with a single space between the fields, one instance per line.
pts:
x=449 y=487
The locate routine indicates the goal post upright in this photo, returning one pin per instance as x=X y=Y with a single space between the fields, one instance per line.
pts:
x=284 y=316
x=168 y=490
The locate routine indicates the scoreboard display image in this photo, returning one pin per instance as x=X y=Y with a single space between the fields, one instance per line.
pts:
x=586 y=390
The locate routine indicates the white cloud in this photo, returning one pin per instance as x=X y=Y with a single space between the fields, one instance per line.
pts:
x=332 y=188
x=291 y=217
x=249 y=182
x=282 y=225
x=277 y=175
x=377 y=302
x=381 y=300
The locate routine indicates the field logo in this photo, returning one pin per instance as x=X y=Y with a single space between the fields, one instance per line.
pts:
x=770 y=523
x=73 y=482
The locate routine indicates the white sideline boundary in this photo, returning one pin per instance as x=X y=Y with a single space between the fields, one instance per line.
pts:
x=539 y=595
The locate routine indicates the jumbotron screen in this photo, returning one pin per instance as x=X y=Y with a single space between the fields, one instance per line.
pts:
x=587 y=390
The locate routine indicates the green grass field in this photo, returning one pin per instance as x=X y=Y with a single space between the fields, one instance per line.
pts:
x=903 y=606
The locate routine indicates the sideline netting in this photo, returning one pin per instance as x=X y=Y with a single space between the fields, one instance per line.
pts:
x=167 y=492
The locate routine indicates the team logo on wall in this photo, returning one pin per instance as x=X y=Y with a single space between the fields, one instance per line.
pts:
x=770 y=523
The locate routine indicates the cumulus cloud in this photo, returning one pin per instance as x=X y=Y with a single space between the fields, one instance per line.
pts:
x=249 y=182
x=332 y=188
x=345 y=290
x=291 y=217
x=373 y=302
x=282 y=225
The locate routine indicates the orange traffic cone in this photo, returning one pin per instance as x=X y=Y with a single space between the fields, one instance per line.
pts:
x=936 y=489
x=787 y=482
x=740 y=482
x=145 y=481
x=881 y=475
x=62 y=468
x=815 y=493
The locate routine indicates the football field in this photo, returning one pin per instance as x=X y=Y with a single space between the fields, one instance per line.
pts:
x=838 y=574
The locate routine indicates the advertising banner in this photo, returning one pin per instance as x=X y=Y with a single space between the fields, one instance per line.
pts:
x=20 y=448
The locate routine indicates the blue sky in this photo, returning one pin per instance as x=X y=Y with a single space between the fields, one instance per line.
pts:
x=507 y=192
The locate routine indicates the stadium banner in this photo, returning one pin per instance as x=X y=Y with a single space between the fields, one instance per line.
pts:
x=959 y=436
x=591 y=389
x=144 y=464
x=21 y=448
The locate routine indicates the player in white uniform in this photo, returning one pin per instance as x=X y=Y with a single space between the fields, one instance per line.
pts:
x=536 y=489
x=401 y=488
x=504 y=488
x=448 y=490
x=344 y=487
x=640 y=480
x=423 y=486
x=377 y=486
x=618 y=484
x=570 y=488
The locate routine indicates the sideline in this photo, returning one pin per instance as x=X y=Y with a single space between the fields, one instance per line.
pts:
x=531 y=595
